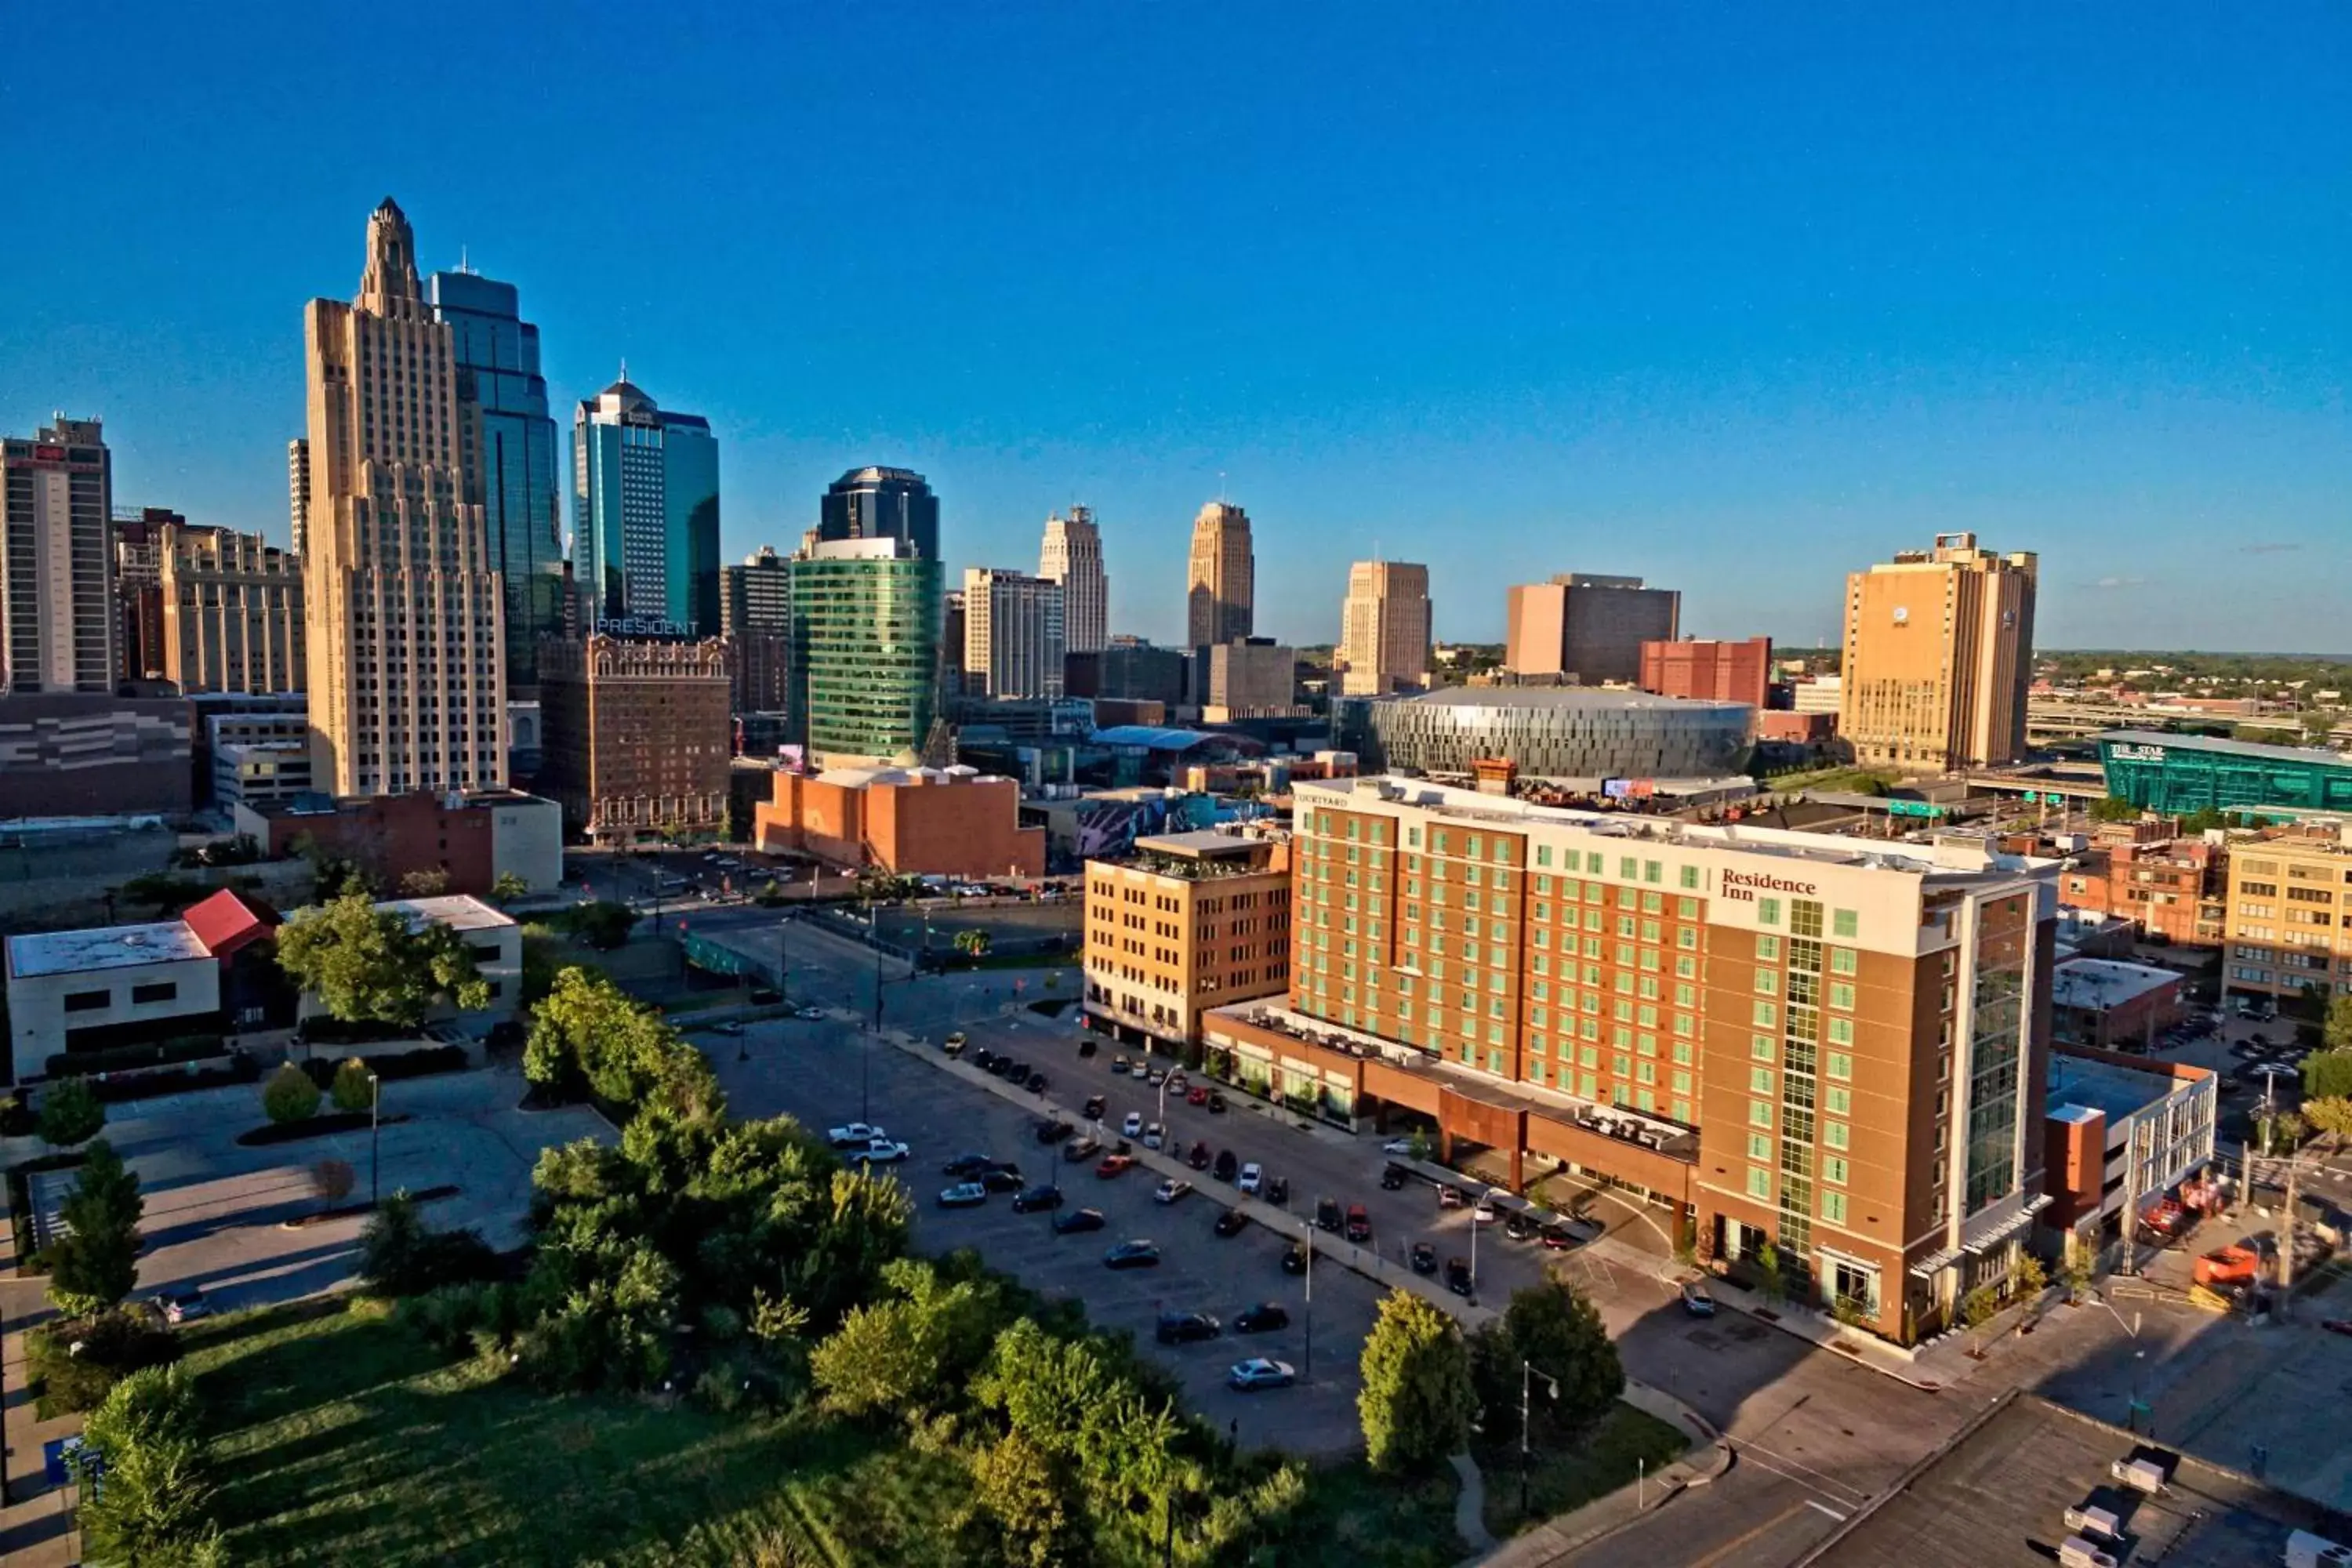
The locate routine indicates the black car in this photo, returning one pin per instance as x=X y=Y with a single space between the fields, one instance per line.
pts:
x=1087 y=1046
x=967 y=1165
x=1216 y=1102
x=1392 y=1179
x=1038 y=1082
x=1327 y=1215
x=1030 y=1200
x=1295 y=1261
x=1278 y=1192
x=1077 y=1220
x=1015 y=1072
x=985 y=1060
x=1054 y=1131
x=1184 y=1328
x=1227 y=1166
x=997 y=1066
x=1001 y=1179
x=1095 y=1106
x=1518 y=1227
x=1457 y=1276
x=1199 y=1159
x=1425 y=1258
x=1132 y=1255
x=1081 y=1149
x=1262 y=1318
x=1232 y=1221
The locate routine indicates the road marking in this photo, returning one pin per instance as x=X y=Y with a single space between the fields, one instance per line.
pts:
x=1826 y=1508
x=1827 y=1484
x=1736 y=1541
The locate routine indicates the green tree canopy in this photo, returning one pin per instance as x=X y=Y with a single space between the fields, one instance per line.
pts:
x=1417 y=1399
x=2335 y=1033
x=2114 y=808
x=155 y=1504
x=367 y=966
x=2328 y=1075
x=1552 y=1328
x=913 y=1349
x=588 y=1025
x=71 y=1112
x=94 y=1264
x=2330 y=1116
x=1021 y=1507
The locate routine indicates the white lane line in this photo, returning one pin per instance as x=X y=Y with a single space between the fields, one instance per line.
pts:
x=1822 y=1482
x=1816 y=1502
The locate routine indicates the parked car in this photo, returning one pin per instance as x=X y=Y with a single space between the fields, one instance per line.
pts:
x=1449 y=1196
x=1034 y=1200
x=1154 y=1135
x=1558 y=1238
x=1278 y=1192
x=1118 y=1064
x=1199 y=1158
x=1295 y=1261
x=964 y=1195
x=880 y=1152
x=1518 y=1226
x=1186 y=1328
x=1327 y=1215
x=1397 y=1146
x=1698 y=1300
x=1088 y=1046
x=955 y=1043
x=811 y=1013
x=1154 y=1076
x=999 y=1066
x=1015 y=1071
x=1112 y=1164
x=1168 y=1191
x=1095 y=1106
x=1078 y=1149
x=1038 y=1082
x=1133 y=1126
x=1132 y=1255
x=1227 y=1166
x=1260 y=1372
x=984 y=1059
x=1232 y=1221
x=1198 y=1096
x=1360 y=1225
x=729 y=1027
x=1077 y=1220
x=967 y=1165
x=1425 y=1258
x=182 y=1306
x=853 y=1134
x=1484 y=1212
x=1457 y=1276
x=1217 y=1103
x=1001 y=1179
x=1392 y=1179
x=1053 y=1130
x=1263 y=1319
x=1253 y=1177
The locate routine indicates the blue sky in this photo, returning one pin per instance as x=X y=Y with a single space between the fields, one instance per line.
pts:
x=1735 y=299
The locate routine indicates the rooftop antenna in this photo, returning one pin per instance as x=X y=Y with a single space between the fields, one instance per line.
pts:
x=463 y=263
x=624 y=367
x=1221 y=487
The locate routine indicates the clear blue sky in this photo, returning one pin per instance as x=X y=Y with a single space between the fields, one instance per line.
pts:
x=1737 y=299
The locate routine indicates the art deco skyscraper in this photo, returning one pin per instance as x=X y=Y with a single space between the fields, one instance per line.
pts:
x=1384 y=628
x=58 y=620
x=404 y=633
x=1073 y=557
x=1222 y=588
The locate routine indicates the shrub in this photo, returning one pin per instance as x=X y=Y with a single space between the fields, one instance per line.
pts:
x=332 y=1180
x=78 y=1362
x=354 y=1088
x=71 y=1113
x=401 y=1256
x=289 y=1095
x=156 y=1504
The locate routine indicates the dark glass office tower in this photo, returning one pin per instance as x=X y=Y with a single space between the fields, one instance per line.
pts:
x=882 y=503
x=511 y=450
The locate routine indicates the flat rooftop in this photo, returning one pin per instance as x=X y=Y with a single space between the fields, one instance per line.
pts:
x=2114 y=1091
x=1201 y=841
x=1997 y=1499
x=106 y=947
x=1968 y=862
x=458 y=911
x=2101 y=982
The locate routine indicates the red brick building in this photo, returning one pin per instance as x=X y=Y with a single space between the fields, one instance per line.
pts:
x=2174 y=887
x=1718 y=671
x=909 y=821
x=467 y=838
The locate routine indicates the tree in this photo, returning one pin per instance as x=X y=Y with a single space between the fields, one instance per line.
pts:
x=1553 y=1327
x=289 y=1095
x=367 y=965
x=2335 y=1033
x=71 y=1112
x=400 y=1255
x=1020 y=1501
x=429 y=883
x=2328 y=1075
x=507 y=886
x=2114 y=808
x=587 y=1025
x=2331 y=1116
x=2283 y=1134
x=1771 y=1279
x=354 y=1088
x=95 y=1263
x=332 y=1180
x=1416 y=1401
x=903 y=1353
x=154 y=1505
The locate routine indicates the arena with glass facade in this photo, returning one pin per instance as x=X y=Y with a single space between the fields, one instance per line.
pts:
x=2178 y=774
x=1575 y=735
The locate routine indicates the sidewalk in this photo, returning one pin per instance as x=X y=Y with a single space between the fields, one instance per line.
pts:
x=35 y=1523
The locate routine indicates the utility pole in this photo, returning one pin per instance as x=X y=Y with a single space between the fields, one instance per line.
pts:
x=2287 y=1246
x=375 y=1125
x=1307 y=1360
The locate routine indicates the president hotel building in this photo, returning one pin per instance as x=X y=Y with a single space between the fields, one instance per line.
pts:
x=1830 y=1044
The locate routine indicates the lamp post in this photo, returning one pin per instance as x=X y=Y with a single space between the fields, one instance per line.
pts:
x=1307 y=1358
x=375 y=1144
x=1526 y=1369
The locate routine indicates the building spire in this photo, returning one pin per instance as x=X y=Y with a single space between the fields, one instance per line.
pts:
x=390 y=275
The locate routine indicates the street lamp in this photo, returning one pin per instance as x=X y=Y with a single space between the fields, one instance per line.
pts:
x=375 y=1126
x=1527 y=1368
x=1307 y=1360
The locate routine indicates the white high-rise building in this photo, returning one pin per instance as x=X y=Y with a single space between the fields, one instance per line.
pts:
x=1384 y=628
x=405 y=617
x=1013 y=635
x=1073 y=557
x=297 y=490
x=57 y=616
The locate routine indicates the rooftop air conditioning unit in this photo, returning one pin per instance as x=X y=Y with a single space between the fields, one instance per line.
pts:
x=2074 y=1551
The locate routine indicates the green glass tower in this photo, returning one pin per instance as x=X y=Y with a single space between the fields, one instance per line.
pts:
x=866 y=649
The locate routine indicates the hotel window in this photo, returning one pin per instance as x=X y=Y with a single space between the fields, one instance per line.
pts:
x=1841 y=1031
x=1587 y=1085
x=1767 y=947
x=1838 y=1101
x=1653 y=872
x=1834 y=1207
x=1437 y=841
x=1622 y=1066
x=1761 y=1047
x=1534 y=1072
x=1834 y=1169
x=1841 y=995
x=1646 y=1072
x=1588 y=1028
x=1768 y=982
x=1834 y=1135
x=1760 y=1182
x=1689 y=877
x=1536 y=1044
x=1683 y=1052
x=1619 y=1036
x=1685 y=1023
x=1687 y=939
x=1628 y=867
x=1767 y=911
x=1587 y=1056
x=1842 y=960
x=1629 y=898
x=1412 y=837
x=1759 y=1113
x=1759 y=1080
x=1543 y=854
x=1804 y=917
x=1650 y=931
x=1594 y=921
x=1760 y=1146
x=1845 y=922
x=1593 y=861
x=1682 y=1111
x=1767 y=1015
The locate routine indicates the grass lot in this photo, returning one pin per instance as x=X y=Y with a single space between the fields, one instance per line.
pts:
x=1568 y=1478
x=340 y=1438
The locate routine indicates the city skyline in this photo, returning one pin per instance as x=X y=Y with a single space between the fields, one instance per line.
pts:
x=1821 y=347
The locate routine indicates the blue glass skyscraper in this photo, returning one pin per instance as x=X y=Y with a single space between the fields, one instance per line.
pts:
x=512 y=452
x=645 y=511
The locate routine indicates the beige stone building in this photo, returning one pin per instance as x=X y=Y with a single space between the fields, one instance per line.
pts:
x=2286 y=920
x=1938 y=653
x=1072 y=555
x=232 y=611
x=1584 y=629
x=1194 y=921
x=1255 y=679
x=404 y=627
x=1221 y=582
x=1384 y=626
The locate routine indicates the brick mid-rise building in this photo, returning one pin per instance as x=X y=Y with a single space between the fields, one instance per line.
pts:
x=945 y=822
x=1186 y=922
x=2288 y=927
x=1833 y=1045
x=2175 y=888
x=1694 y=667
x=637 y=737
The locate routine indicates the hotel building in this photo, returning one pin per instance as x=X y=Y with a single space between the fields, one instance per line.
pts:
x=1938 y=652
x=1194 y=921
x=1833 y=1045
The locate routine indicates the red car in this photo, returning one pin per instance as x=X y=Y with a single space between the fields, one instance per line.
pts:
x=1113 y=1165
x=1198 y=1097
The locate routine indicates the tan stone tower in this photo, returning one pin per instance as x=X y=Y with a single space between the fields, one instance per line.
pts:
x=1220 y=599
x=404 y=636
x=1384 y=628
x=1938 y=653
